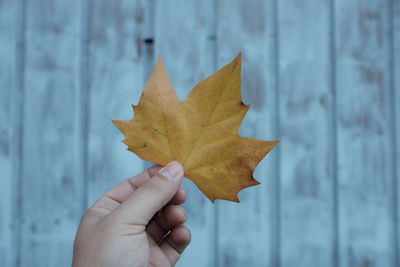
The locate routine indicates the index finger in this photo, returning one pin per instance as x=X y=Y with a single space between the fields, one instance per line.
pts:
x=123 y=190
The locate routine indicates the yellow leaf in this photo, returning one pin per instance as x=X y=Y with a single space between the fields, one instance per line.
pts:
x=201 y=133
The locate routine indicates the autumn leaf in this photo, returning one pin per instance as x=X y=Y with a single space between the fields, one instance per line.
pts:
x=201 y=133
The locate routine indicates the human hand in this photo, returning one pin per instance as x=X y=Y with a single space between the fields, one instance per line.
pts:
x=137 y=223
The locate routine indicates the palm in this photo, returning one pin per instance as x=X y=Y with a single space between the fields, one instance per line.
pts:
x=148 y=251
x=157 y=257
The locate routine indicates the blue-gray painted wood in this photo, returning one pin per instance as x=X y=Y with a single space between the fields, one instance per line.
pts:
x=114 y=80
x=363 y=127
x=183 y=31
x=395 y=64
x=306 y=192
x=8 y=93
x=49 y=186
x=244 y=239
x=322 y=76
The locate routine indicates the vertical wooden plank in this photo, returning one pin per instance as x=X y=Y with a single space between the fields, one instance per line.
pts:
x=51 y=187
x=148 y=50
x=183 y=37
x=306 y=131
x=364 y=153
x=9 y=33
x=245 y=234
x=395 y=17
x=115 y=79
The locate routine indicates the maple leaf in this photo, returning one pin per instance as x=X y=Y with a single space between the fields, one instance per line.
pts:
x=201 y=133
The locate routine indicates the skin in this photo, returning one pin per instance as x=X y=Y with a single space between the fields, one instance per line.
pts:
x=137 y=223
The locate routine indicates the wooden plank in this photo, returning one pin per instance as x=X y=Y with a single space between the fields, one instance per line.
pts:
x=246 y=230
x=9 y=102
x=396 y=115
x=307 y=223
x=364 y=157
x=183 y=37
x=115 y=79
x=51 y=186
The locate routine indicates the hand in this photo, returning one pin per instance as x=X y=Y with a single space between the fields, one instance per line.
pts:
x=137 y=223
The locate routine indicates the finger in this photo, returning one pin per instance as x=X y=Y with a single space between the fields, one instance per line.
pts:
x=158 y=230
x=179 y=198
x=122 y=191
x=150 y=197
x=115 y=196
x=164 y=220
x=175 y=243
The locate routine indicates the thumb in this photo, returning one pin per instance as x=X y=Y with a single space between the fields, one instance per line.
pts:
x=152 y=196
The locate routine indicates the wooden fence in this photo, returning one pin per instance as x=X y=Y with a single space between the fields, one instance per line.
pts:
x=321 y=75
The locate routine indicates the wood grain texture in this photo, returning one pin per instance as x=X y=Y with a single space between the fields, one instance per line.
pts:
x=8 y=84
x=307 y=220
x=114 y=80
x=364 y=164
x=396 y=116
x=183 y=38
x=69 y=67
x=50 y=186
x=244 y=230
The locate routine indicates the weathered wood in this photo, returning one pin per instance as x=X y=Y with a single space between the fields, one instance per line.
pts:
x=364 y=163
x=395 y=19
x=184 y=39
x=74 y=68
x=115 y=79
x=9 y=121
x=245 y=235
x=50 y=185
x=307 y=222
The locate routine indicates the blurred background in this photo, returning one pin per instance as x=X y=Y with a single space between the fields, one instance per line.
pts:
x=323 y=76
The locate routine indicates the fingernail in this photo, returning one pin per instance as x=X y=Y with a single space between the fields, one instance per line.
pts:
x=172 y=170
